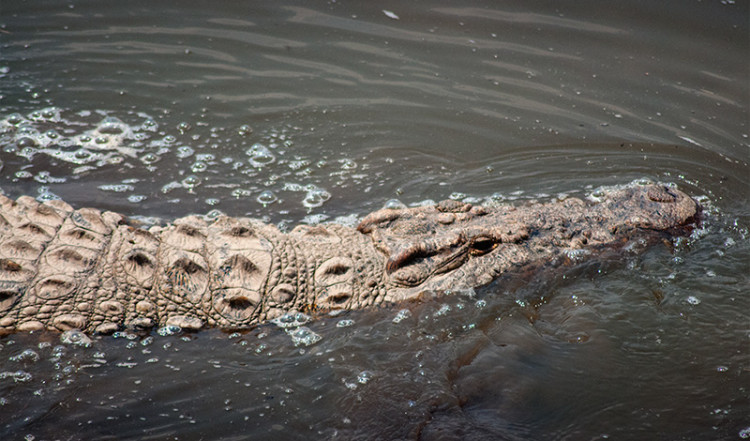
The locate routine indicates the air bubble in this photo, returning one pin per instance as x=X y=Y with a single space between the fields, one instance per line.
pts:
x=304 y=336
x=445 y=309
x=127 y=364
x=266 y=197
x=112 y=126
x=46 y=195
x=136 y=198
x=291 y=320
x=150 y=158
x=314 y=219
x=17 y=376
x=26 y=142
x=364 y=377
x=44 y=177
x=199 y=166
x=184 y=127
x=350 y=220
x=401 y=316
x=576 y=254
x=168 y=187
x=15 y=119
x=28 y=130
x=114 y=160
x=191 y=182
x=298 y=164
x=347 y=164
x=116 y=188
x=215 y=213
x=184 y=151
x=51 y=113
x=315 y=197
x=150 y=125
x=165 y=331
x=260 y=155
x=425 y=203
x=75 y=337
x=394 y=204
x=241 y=193
x=597 y=195
x=27 y=356
x=244 y=130
x=27 y=152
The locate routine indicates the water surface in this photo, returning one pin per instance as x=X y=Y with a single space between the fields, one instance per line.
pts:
x=319 y=111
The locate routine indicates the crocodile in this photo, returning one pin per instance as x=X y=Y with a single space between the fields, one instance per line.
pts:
x=99 y=272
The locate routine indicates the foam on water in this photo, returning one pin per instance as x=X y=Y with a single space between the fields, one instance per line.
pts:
x=303 y=336
x=291 y=320
x=53 y=145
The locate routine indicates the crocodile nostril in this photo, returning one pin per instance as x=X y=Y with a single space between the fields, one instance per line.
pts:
x=10 y=266
x=139 y=259
x=340 y=298
x=336 y=299
x=240 y=302
x=7 y=294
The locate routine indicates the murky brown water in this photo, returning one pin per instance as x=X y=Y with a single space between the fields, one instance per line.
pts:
x=311 y=111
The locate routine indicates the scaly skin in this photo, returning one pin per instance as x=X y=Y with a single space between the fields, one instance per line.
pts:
x=65 y=269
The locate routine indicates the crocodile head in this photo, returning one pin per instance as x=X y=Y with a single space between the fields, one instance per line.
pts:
x=454 y=245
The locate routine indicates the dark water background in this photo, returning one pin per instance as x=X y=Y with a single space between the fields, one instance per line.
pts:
x=317 y=111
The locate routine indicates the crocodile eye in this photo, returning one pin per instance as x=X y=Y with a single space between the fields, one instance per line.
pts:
x=482 y=245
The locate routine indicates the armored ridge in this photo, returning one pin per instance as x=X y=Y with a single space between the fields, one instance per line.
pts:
x=65 y=269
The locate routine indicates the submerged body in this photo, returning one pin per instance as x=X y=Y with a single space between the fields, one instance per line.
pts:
x=64 y=269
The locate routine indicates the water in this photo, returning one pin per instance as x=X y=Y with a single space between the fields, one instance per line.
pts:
x=297 y=112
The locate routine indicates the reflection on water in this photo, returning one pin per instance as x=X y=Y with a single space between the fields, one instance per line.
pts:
x=297 y=112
